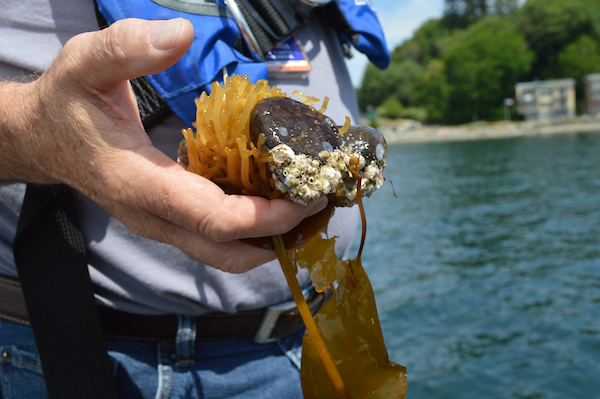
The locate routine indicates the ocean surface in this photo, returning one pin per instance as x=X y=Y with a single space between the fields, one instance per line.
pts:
x=486 y=266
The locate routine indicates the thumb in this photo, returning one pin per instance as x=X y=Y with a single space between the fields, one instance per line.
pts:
x=127 y=49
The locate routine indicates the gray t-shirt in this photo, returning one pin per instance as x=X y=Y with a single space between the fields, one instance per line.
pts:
x=129 y=272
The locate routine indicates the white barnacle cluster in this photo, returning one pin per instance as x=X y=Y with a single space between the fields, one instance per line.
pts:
x=307 y=179
x=372 y=179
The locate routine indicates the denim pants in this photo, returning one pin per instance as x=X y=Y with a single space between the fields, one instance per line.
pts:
x=235 y=368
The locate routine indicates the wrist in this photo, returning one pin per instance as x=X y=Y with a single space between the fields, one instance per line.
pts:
x=22 y=148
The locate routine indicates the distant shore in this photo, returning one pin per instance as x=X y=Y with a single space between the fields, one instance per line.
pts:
x=401 y=131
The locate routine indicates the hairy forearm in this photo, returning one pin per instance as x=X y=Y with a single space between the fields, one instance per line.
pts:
x=18 y=138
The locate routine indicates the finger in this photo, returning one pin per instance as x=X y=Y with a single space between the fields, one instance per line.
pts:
x=231 y=217
x=128 y=49
x=233 y=256
x=199 y=205
x=238 y=217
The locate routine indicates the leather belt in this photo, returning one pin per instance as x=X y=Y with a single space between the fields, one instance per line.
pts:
x=265 y=325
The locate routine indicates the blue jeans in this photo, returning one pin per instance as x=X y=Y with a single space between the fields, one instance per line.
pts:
x=235 y=368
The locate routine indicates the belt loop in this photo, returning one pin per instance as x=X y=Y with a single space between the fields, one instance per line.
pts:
x=186 y=339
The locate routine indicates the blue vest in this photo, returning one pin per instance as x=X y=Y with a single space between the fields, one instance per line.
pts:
x=216 y=38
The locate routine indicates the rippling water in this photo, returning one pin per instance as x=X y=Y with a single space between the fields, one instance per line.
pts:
x=486 y=268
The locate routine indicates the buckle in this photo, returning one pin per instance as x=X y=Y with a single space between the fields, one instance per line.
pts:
x=272 y=313
x=238 y=16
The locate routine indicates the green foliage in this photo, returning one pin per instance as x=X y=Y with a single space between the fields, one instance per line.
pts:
x=483 y=68
x=434 y=91
x=390 y=108
x=372 y=92
x=399 y=81
x=416 y=113
x=550 y=25
x=426 y=44
x=393 y=109
x=577 y=60
x=463 y=13
x=505 y=7
x=407 y=74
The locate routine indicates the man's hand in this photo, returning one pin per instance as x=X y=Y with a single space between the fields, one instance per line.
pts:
x=79 y=124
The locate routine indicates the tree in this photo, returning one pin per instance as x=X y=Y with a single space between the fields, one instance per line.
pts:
x=433 y=91
x=390 y=108
x=405 y=78
x=505 y=7
x=427 y=39
x=462 y=13
x=483 y=68
x=399 y=81
x=372 y=92
x=550 y=25
x=578 y=59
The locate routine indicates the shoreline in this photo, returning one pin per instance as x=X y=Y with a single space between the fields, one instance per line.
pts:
x=397 y=132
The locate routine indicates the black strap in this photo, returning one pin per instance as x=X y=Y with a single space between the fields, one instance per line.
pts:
x=50 y=256
x=153 y=108
x=273 y=21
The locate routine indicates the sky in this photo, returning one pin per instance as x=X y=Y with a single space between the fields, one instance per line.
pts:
x=399 y=18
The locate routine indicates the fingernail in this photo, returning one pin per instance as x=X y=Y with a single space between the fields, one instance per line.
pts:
x=163 y=34
x=317 y=206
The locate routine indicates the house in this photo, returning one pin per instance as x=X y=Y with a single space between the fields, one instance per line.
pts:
x=546 y=99
x=591 y=84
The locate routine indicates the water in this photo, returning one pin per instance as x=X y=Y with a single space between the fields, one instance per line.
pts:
x=486 y=268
